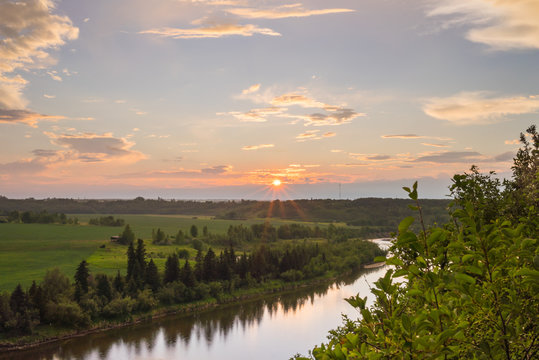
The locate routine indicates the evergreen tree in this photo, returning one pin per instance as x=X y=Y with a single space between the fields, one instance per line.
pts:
x=152 y=276
x=172 y=269
x=131 y=261
x=81 y=276
x=209 y=268
x=103 y=287
x=18 y=301
x=119 y=283
x=199 y=265
x=187 y=275
x=140 y=255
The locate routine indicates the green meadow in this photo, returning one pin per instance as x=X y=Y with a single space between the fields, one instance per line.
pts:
x=28 y=250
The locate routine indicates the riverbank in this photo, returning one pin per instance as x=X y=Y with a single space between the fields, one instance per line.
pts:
x=48 y=335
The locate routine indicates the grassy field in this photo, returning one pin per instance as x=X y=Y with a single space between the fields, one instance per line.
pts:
x=28 y=250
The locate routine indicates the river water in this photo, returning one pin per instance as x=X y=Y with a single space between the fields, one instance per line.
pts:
x=276 y=327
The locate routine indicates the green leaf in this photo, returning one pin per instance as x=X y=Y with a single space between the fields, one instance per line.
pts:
x=465 y=278
x=405 y=224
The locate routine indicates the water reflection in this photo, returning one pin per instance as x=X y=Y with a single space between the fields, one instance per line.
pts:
x=272 y=327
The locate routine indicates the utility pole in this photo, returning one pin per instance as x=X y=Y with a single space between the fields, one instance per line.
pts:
x=339 y=191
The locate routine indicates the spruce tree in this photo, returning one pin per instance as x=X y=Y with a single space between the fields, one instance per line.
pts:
x=187 y=275
x=103 y=287
x=152 y=276
x=81 y=276
x=18 y=301
x=172 y=269
x=131 y=261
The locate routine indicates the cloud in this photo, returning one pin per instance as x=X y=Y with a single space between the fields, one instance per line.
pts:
x=46 y=96
x=415 y=136
x=309 y=135
x=251 y=89
x=435 y=145
x=283 y=12
x=54 y=75
x=500 y=24
x=468 y=108
x=257 y=147
x=211 y=31
x=24 y=117
x=89 y=147
x=44 y=153
x=402 y=136
x=512 y=142
x=28 y=29
x=298 y=99
x=337 y=117
x=370 y=157
x=216 y=170
x=329 y=134
x=23 y=167
x=451 y=157
x=256 y=115
x=506 y=156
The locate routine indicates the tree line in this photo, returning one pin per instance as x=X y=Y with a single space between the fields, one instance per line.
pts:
x=34 y=217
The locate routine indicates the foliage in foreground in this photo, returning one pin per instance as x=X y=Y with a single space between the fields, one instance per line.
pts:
x=465 y=290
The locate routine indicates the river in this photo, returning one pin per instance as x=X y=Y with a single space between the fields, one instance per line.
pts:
x=276 y=327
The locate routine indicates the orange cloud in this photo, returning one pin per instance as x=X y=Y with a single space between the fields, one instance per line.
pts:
x=211 y=31
x=283 y=12
x=257 y=147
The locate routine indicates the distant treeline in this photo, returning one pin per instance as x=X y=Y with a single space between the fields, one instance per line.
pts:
x=106 y=221
x=361 y=212
x=31 y=217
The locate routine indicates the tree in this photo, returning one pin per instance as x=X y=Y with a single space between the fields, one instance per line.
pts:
x=127 y=236
x=172 y=269
x=187 y=276
x=18 y=301
x=81 y=277
x=152 y=276
x=103 y=288
x=209 y=268
x=131 y=261
x=194 y=231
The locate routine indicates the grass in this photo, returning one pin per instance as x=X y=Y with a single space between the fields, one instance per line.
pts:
x=27 y=251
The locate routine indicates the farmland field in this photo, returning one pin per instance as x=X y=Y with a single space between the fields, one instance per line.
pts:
x=28 y=250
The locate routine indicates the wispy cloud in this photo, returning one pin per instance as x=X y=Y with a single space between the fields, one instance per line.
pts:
x=258 y=147
x=435 y=145
x=25 y=117
x=251 y=89
x=211 y=31
x=284 y=11
x=256 y=115
x=415 y=136
x=469 y=108
x=500 y=24
x=451 y=157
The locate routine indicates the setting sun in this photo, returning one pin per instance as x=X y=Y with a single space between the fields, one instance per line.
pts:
x=276 y=182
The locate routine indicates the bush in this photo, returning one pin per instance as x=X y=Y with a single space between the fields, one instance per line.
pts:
x=119 y=307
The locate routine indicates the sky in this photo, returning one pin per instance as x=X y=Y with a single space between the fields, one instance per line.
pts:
x=216 y=99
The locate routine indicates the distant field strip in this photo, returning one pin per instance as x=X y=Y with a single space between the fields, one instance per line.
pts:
x=28 y=250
